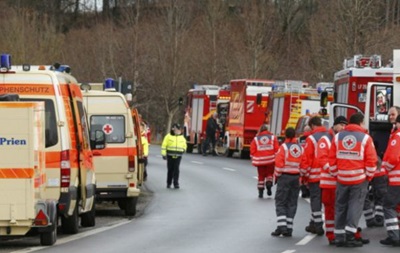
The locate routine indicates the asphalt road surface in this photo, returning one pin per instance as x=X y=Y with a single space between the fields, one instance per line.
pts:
x=215 y=211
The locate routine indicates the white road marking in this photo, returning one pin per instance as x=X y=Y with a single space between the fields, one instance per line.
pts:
x=229 y=169
x=289 y=251
x=306 y=240
x=75 y=237
x=255 y=178
x=196 y=162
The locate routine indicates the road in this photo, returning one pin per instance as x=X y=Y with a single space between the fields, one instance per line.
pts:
x=215 y=211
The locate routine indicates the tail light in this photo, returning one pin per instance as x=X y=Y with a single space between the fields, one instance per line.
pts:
x=131 y=164
x=41 y=219
x=65 y=169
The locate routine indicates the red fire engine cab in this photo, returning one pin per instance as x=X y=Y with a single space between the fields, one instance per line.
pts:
x=245 y=115
x=201 y=102
x=350 y=83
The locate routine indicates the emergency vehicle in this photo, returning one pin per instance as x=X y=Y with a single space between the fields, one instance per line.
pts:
x=245 y=115
x=117 y=168
x=223 y=99
x=372 y=104
x=24 y=205
x=70 y=176
x=201 y=103
x=288 y=102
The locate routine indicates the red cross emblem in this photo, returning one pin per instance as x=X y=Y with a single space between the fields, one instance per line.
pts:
x=349 y=142
x=108 y=129
x=295 y=150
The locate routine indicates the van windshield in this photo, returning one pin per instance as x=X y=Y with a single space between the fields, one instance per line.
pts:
x=112 y=125
x=51 y=134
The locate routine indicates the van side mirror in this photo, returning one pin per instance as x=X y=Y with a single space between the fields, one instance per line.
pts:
x=97 y=139
x=259 y=98
x=324 y=99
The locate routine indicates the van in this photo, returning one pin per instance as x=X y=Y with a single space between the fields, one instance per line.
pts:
x=117 y=169
x=24 y=206
x=70 y=176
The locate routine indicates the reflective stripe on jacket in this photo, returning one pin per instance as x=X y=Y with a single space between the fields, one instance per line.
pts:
x=173 y=145
x=263 y=149
x=352 y=157
x=288 y=158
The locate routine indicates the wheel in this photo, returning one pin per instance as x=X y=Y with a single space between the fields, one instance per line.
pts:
x=189 y=148
x=244 y=154
x=89 y=219
x=122 y=204
x=220 y=148
x=49 y=238
x=70 y=224
x=130 y=209
x=230 y=153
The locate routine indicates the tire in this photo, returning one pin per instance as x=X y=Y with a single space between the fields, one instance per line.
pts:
x=122 y=204
x=189 y=148
x=70 y=224
x=50 y=238
x=244 y=154
x=89 y=219
x=130 y=209
x=229 y=153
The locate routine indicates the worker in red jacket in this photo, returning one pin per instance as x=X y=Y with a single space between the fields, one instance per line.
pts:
x=287 y=174
x=327 y=181
x=391 y=163
x=262 y=151
x=352 y=160
x=311 y=168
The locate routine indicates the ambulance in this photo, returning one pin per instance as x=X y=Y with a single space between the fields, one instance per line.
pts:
x=70 y=176
x=117 y=169
x=24 y=205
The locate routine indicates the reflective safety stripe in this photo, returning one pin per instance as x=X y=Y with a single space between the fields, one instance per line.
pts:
x=17 y=173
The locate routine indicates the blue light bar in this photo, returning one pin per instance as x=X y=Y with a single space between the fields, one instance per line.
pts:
x=109 y=84
x=5 y=61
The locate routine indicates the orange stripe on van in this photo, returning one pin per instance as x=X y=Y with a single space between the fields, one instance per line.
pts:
x=17 y=173
x=27 y=89
x=115 y=152
x=17 y=105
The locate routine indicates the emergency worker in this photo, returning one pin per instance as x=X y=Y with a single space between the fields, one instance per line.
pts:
x=311 y=168
x=211 y=129
x=287 y=174
x=172 y=149
x=393 y=112
x=352 y=160
x=391 y=163
x=327 y=181
x=145 y=145
x=262 y=151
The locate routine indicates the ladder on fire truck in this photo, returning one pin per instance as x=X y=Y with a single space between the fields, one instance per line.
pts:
x=295 y=88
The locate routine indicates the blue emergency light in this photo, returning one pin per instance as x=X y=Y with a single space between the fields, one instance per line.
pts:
x=109 y=84
x=5 y=61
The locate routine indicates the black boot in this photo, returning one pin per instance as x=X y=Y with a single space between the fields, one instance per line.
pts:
x=351 y=241
x=311 y=227
x=268 y=185
x=260 y=193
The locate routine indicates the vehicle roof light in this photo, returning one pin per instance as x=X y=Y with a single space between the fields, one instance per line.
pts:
x=41 y=67
x=109 y=85
x=5 y=64
x=61 y=68
x=85 y=86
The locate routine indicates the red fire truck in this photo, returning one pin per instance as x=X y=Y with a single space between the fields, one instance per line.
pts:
x=350 y=83
x=201 y=102
x=288 y=101
x=245 y=115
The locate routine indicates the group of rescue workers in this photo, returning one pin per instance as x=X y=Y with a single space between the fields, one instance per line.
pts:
x=341 y=167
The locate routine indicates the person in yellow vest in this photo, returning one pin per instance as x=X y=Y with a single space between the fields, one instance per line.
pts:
x=172 y=149
x=145 y=145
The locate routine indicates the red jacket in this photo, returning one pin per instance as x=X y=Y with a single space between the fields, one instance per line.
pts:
x=309 y=165
x=263 y=148
x=288 y=158
x=352 y=157
x=391 y=159
x=323 y=146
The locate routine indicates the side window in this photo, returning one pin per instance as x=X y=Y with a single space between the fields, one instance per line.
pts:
x=112 y=125
x=84 y=125
x=51 y=134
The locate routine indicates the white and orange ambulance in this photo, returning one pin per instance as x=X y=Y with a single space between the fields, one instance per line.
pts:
x=24 y=205
x=70 y=174
x=117 y=169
